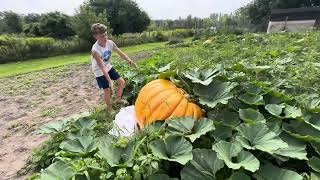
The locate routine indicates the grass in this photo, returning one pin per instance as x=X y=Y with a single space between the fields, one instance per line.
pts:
x=50 y=112
x=13 y=69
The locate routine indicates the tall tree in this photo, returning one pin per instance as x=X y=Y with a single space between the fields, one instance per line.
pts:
x=31 y=24
x=56 y=25
x=124 y=15
x=84 y=18
x=31 y=18
x=10 y=22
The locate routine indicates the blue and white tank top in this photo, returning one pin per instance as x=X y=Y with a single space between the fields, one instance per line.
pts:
x=105 y=54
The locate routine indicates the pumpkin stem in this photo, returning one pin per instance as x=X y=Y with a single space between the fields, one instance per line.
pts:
x=186 y=84
x=185 y=94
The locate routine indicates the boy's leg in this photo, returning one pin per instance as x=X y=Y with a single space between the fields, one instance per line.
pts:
x=107 y=98
x=122 y=84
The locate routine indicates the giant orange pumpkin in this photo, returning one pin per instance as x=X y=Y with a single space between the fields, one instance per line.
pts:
x=160 y=100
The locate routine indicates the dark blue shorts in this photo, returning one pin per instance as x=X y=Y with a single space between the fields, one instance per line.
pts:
x=102 y=81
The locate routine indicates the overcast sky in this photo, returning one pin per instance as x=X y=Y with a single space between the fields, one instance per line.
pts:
x=157 y=9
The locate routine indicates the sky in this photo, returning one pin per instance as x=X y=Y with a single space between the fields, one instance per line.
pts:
x=157 y=9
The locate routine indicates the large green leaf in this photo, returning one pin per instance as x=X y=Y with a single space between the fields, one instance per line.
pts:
x=83 y=132
x=167 y=75
x=258 y=136
x=296 y=149
x=310 y=101
x=228 y=152
x=239 y=176
x=274 y=125
x=275 y=109
x=314 y=163
x=85 y=123
x=172 y=148
x=225 y=117
x=251 y=116
x=271 y=172
x=252 y=99
x=205 y=76
x=302 y=130
x=165 y=68
x=315 y=176
x=215 y=93
x=287 y=110
x=316 y=147
x=53 y=127
x=58 y=170
x=115 y=155
x=180 y=126
x=253 y=89
x=83 y=145
x=189 y=127
x=201 y=127
x=313 y=119
x=204 y=165
x=222 y=132
x=292 y=112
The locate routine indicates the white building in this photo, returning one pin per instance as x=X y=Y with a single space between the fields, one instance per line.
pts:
x=293 y=20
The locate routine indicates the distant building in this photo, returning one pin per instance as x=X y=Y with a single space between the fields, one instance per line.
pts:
x=293 y=20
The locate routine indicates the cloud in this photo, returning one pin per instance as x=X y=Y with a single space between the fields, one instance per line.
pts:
x=40 y=6
x=157 y=9
x=173 y=9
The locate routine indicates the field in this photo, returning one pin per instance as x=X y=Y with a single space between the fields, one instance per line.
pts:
x=261 y=99
x=38 y=91
x=12 y=69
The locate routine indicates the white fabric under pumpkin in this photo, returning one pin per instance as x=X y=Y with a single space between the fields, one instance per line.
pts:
x=125 y=124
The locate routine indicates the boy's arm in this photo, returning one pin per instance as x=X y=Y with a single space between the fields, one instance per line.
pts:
x=123 y=55
x=102 y=67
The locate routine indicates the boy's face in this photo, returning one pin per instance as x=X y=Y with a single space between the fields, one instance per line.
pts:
x=101 y=37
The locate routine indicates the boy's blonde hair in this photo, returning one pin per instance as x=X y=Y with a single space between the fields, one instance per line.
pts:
x=98 y=28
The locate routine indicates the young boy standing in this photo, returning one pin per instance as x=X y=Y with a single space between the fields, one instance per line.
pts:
x=101 y=64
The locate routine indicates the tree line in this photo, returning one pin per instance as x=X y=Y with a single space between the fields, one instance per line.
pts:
x=123 y=16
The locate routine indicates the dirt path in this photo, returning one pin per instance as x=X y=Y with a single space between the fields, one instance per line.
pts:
x=29 y=101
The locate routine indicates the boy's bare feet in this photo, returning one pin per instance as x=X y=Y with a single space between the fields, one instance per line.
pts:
x=110 y=110
x=119 y=100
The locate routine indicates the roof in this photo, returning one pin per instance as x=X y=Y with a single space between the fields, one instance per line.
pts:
x=295 y=14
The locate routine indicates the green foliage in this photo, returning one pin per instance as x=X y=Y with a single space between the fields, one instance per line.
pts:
x=215 y=93
x=172 y=148
x=189 y=128
x=56 y=25
x=269 y=171
x=58 y=170
x=124 y=15
x=19 y=48
x=161 y=36
x=10 y=22
x=83 y=20
x=256 y=125
x=204 y=165
x=235 y=157
x=175 y=40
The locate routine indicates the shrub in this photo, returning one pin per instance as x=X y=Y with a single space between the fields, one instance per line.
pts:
x=182 y=33
x=160 y=36
x=19 y=48
x=175 y=40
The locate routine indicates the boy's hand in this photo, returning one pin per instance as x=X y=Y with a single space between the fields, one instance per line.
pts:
x=133 y=64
